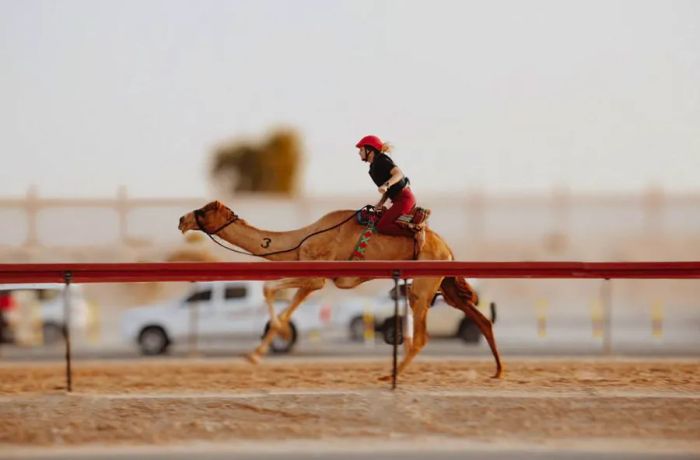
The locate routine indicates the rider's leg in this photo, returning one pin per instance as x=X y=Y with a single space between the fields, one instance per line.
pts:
x=400 y=204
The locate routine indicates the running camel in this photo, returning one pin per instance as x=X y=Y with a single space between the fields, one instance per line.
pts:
x=337 y=244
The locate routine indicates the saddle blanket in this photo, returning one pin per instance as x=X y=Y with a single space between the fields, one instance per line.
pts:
x=416 y=218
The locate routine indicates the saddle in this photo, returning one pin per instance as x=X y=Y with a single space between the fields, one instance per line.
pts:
x=415 y=220
x=414 y=223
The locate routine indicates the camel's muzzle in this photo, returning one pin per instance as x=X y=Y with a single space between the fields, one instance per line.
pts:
x=181 y=225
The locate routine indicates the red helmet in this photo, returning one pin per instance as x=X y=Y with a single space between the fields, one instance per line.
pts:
x=372 y=141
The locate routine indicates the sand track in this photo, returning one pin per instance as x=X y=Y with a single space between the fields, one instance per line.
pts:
x=654 y=401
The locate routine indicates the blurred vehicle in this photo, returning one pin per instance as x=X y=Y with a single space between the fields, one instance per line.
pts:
x=44 y=303
x=6 y=305
x=443 y=319
x=216 y=311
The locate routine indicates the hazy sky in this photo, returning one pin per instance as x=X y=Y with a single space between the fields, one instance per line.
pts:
x=502 y=95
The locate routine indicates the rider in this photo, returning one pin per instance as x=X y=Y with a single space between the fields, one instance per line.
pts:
x=391 y=181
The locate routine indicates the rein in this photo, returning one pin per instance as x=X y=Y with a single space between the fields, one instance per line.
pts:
x=199 y=213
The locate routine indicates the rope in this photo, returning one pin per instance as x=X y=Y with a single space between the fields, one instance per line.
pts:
x=201 y=227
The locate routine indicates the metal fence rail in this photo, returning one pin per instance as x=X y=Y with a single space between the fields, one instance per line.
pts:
x=396 y=270
x=137 y=272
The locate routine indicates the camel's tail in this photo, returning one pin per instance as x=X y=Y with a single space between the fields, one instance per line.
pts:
x=456 y=287
x=460 y=289
x=459 y=294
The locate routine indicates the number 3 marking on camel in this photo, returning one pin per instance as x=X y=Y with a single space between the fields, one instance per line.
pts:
x=266 y=243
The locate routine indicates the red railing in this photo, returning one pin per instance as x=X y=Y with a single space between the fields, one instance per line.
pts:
x=136 y=272
x=133 y=272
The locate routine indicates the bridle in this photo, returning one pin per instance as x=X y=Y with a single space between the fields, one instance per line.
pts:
x=199 y=214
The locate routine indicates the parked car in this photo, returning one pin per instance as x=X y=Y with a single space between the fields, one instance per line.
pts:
x=215 y=311
x=49 y=300
x=443 y=319
x=7 y=303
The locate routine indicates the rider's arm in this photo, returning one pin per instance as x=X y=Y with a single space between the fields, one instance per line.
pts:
x=396 y=176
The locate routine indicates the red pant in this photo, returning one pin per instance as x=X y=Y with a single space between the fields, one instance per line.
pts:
x=400 y=204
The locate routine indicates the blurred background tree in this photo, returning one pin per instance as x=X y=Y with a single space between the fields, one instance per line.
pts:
x=270 y=166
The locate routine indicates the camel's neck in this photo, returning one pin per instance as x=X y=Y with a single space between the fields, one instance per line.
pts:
x=257 y=241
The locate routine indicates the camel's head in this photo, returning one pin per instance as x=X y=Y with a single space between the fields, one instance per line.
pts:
x=211 y=219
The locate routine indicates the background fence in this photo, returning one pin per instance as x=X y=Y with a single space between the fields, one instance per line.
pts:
x=555 y=226
x=559 y=225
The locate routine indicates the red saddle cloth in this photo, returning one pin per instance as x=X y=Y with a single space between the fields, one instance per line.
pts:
x=415 y=220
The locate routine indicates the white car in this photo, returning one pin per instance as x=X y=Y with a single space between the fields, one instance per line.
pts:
x=443 y=319
x=215 y=311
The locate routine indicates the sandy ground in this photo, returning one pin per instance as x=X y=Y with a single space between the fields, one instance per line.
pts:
x=638 y=402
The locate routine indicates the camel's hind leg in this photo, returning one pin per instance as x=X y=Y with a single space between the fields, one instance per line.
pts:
x=486 y=328
x=305 y=287
x=422 y=293
x=460 y=299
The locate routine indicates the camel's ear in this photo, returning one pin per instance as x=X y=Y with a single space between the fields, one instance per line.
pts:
x=213 y=206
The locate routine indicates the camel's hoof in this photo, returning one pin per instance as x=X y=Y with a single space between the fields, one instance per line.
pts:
x=252 y=358
x=385 y=378
x=498 y=374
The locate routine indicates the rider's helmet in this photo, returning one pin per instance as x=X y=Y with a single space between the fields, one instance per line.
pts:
x=371 y=141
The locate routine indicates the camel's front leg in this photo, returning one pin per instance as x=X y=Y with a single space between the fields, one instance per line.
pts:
x=420 y=338
x=422 y=293
x=408 y=331
x=269 y=291
x=305 y=287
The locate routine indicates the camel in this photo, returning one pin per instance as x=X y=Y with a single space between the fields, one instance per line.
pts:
x=338 y=244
